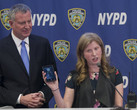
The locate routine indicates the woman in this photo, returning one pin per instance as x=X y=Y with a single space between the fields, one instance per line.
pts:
x=89 y=85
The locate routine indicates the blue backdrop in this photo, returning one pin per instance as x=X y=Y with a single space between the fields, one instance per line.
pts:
x=64 y=21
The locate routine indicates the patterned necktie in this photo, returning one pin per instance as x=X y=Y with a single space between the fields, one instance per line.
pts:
x=24 y=56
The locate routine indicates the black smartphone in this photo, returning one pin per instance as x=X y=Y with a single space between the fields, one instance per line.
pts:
x=49 y=70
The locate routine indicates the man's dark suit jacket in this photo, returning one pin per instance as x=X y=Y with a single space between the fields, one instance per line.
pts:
x=14 y=79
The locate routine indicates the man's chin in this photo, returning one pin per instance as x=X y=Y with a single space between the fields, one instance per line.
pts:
x=26 y=35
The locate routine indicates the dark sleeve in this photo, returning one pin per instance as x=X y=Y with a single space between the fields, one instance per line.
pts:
x=47 y=93
x=51 y=56
x=69 y=81
x=50 y=60
x=7 y=97
x=119 y=79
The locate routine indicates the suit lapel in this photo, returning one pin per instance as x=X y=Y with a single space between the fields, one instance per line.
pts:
x=12 y=49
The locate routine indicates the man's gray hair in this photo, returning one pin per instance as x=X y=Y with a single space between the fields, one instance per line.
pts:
x=17 y=8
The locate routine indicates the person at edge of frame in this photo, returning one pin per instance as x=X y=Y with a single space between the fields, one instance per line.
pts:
x=89 y=85
x=20 y=88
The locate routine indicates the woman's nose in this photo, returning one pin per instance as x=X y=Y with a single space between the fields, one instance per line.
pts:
x=94 y=52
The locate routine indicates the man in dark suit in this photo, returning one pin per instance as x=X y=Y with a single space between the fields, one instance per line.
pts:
x=19 y=87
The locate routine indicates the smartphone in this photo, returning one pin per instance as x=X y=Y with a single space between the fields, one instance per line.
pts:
x=49 y=70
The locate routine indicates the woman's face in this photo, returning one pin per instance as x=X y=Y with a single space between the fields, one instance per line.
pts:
x=93 y=53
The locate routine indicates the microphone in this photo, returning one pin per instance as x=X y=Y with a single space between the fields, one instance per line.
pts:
x=99 y=65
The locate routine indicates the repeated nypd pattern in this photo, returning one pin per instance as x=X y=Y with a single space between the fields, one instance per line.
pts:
x=64 y=21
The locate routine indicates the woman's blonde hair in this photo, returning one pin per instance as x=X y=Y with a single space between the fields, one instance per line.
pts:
x=81 y=66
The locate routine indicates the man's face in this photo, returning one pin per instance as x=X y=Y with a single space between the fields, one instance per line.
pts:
x=22 y=25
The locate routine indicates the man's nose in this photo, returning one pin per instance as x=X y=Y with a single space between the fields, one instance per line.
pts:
x=27 y=25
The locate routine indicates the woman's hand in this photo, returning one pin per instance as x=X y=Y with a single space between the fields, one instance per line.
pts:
x=52 y=84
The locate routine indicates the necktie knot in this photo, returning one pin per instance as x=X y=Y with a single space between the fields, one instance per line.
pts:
x=23 y=43
x=24 y=56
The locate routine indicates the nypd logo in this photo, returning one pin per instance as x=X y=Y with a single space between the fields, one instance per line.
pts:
x=76 y=17
x=113 y=18
x=4 y=18
x=130 y=48
x=61 y=49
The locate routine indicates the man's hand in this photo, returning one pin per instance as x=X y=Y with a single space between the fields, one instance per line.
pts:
x=33 y=100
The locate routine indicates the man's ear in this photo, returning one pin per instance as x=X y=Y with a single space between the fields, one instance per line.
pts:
x=11 y=23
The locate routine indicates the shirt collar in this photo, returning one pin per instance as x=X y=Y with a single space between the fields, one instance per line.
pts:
x=18 y=41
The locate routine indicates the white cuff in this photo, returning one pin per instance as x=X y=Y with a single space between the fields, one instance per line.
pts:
x=18 y=100
x=42 y=94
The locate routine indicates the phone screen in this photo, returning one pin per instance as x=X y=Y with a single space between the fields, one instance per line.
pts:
x=49 y=70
